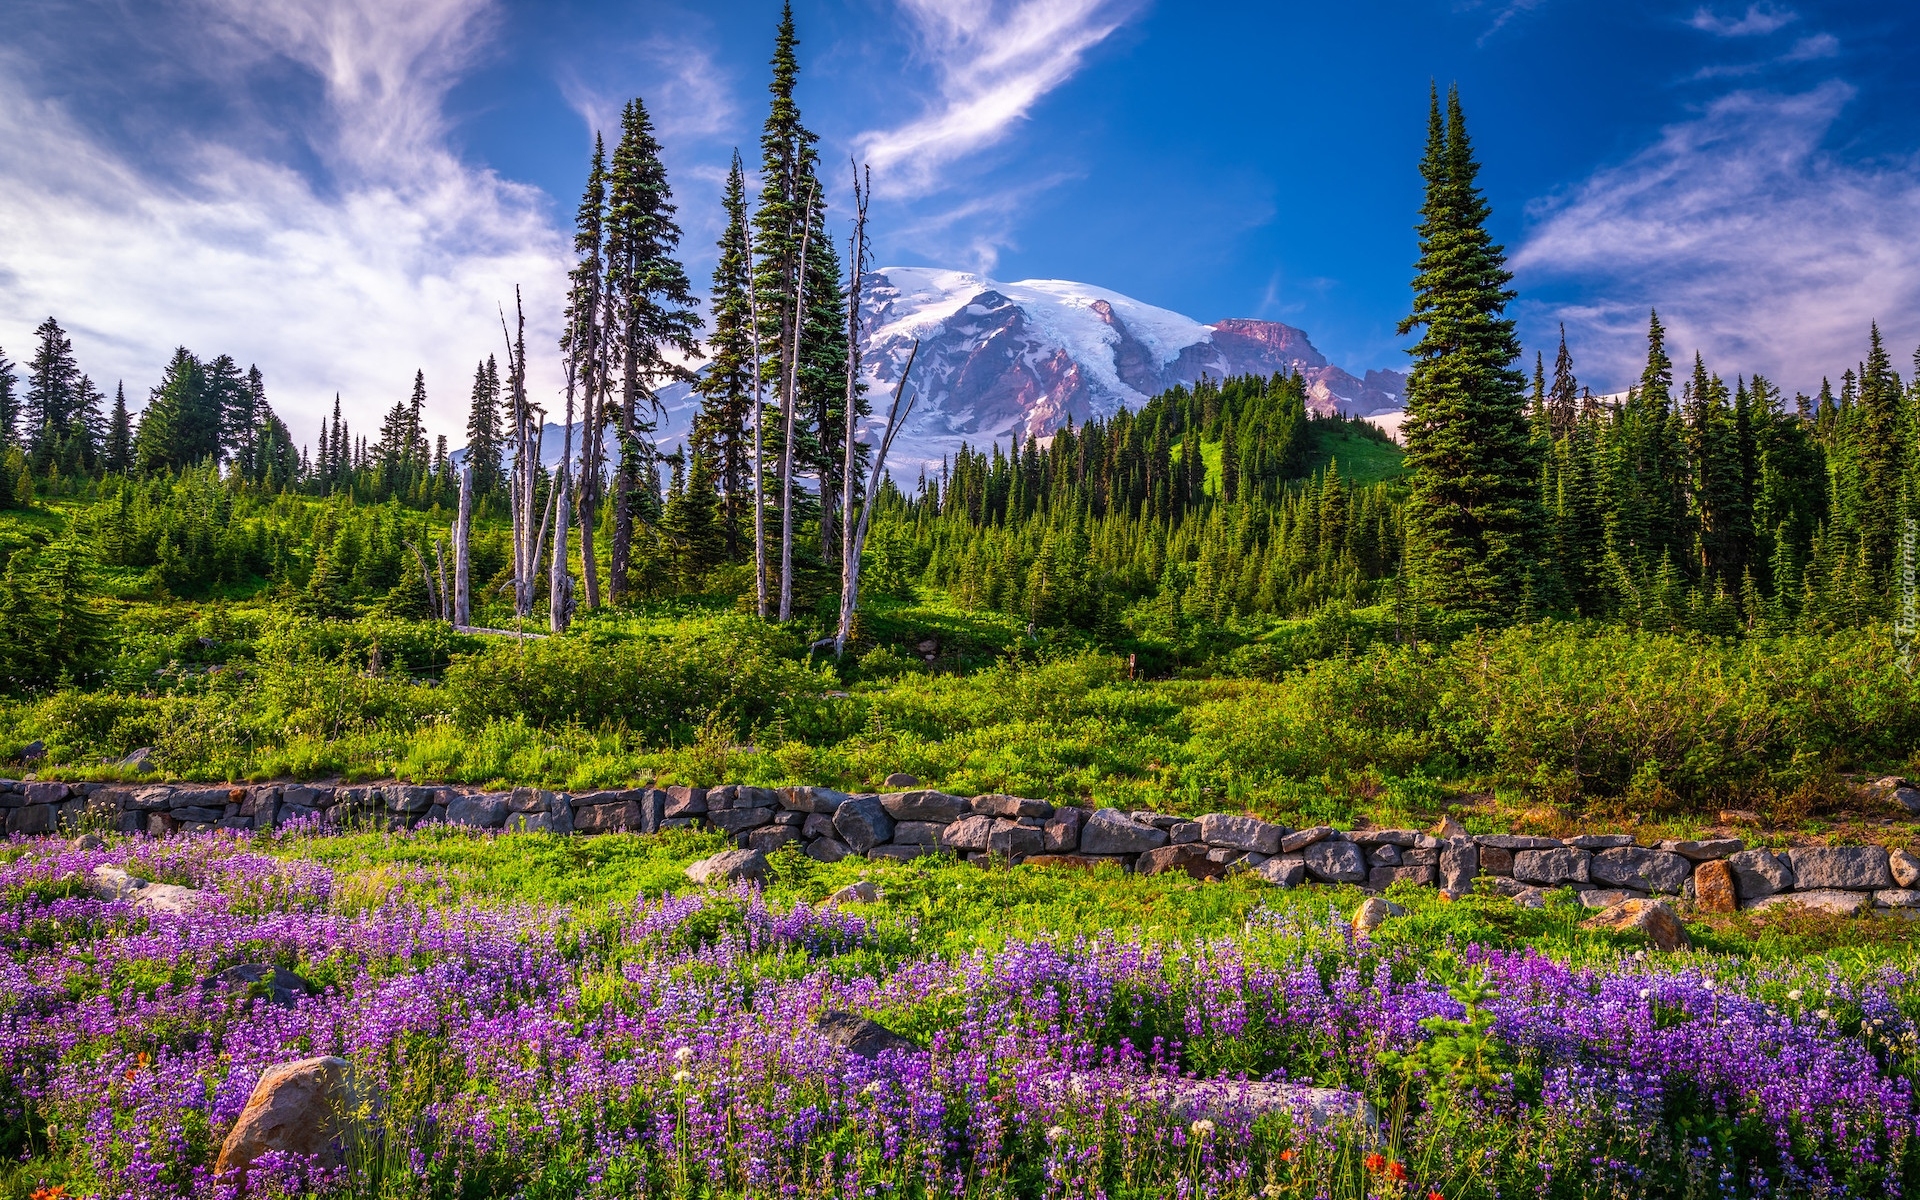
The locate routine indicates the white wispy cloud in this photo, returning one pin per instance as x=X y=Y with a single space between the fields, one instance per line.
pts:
x=1758 y=246
x=1758 y=20
x=994 y=60
x=393 y=258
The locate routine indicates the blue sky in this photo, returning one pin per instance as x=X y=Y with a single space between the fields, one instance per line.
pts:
x=344 y=191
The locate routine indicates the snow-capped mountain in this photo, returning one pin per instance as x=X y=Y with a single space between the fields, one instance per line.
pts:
x=1002 y=361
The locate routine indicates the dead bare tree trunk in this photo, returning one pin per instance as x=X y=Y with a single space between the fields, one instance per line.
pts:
x=792 y=402
x=526 y=465
x=759 y=467
x=462 y=573
x=559 y=579
x=896 y=417
x=849 y=566
x=443 y=607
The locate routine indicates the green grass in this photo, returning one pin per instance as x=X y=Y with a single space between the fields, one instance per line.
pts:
x=1362 y=459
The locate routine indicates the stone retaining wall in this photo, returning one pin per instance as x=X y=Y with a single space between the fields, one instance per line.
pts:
x=1718 y=874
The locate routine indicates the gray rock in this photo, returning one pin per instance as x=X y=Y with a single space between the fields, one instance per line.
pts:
x=1831 y=900
x=1601 y=841
x=113 y=883
x=1503 y=885
x=1013 y=840
x=1459 y=863
x=827 y=850
x=1383 y=837
x=531 y=800
x=298 y=794
x=900 y=781
x=46 y=792
x=1907 y=798
x=1183 y=834
x=1062 y=830
x=280 y=987
x=213 y=798
x=1286 y=871
x=1420 y=856
x=1642 y=869
x=729 y=866
x=1608 y=897
x=1190 y=858
x=32 y=820
x=783 y=816
x=1758 y=874
x=1382 y=878
x=917 y=833
x=89 y=841
x=1110 y=831
x=1852 y=868
x=529 y=822
x=925 y=806
x=1382 y=856
x=1510 y=841
x=1530 y=897
x=859 y=1036
x=1705 y=848
x=485 y=810
x=863 y=823
x=1897 y=898
x=1241 y=833
x=1552 y=867
x=1336 y=862
x=33 y=751
x=409 y=799
x=1300 y=839
x=812 y=799
x=738 y=820
x=1158 y=820
x=1905 y=867
x=817 y=825
x=140 y=761
x=203 y=815
x=755 y=797
x=968 y=833
x=684 y=802
x=997 y=805
x=769 y=838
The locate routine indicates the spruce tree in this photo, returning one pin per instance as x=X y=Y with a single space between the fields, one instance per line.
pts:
x=727 y=387
x=9 y=404
x=483 y=428
x=53 y=390
x=178 y=428
x=117 y=455
x=1564 y=393
x=651 y=313
x=1876 y=451
x=1473 y=516
x=230 y=405
x=586 y=346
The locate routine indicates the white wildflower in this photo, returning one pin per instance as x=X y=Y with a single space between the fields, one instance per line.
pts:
x=1056 y=1132
x=681 y=1077
x=1645 y=992
x=1795 y=994
x=683 y=1054
x=1201 y=1128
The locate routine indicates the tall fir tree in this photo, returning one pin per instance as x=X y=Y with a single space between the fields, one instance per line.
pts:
x=1878 y=456
x=180 y=426
x=1473 y=515
x=117 y=455
x=651 y=316
x=53 y=390
x=727 y=387
x=9 y=404
x=230 y=404
x=586 y=346
x=483 y=428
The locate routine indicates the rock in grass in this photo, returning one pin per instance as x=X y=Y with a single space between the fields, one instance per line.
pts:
x=280 y=987
x=1373 y=913
x=1655 y=918
x=1288 y=870
x=1758 y=874
x=900 y=781
x=729 y=866
x=1905 y=867
x=1241 y=833
x=303 y=1108
x=1641 y=868
x=1459 y=863
x=1829 y=900
x=827 y=850
x=113 y=883
x=863 y=892
x=863 y=823
x=1896 y=898
x=1553 y=866
x=859 y=1036
x=1188 y=857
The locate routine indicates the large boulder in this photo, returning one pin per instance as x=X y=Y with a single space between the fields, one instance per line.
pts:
x=1336 y=862
x=1758 y=874
x=1014 y=841
x=1300 y=839
x=1287 y=870
x=739 y=820
x=859 y=1036
x=1188 y=857
x=729 y=866
x=1655 y=918
x=1373 y=913
x=925 y=805
x=299 y=1108
x=921 y=833
x=1846 y=868
x=863 y=823
x=1110 y=831
x=1241 y=833
x=827 y=850
x=1641 y=868
x=113 y=883
x=812 y=799
x=481 y=810
x=1552 y=867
